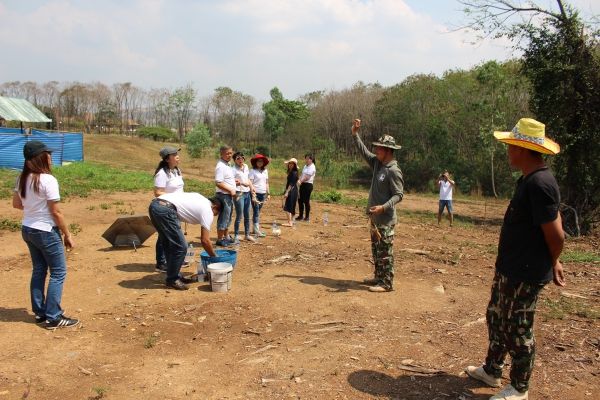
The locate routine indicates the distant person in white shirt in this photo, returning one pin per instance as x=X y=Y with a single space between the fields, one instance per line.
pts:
x=243 y=197
x=445 y=184
x=165 y=212
x=226 y=191
x=306 y=182
x=167 y=179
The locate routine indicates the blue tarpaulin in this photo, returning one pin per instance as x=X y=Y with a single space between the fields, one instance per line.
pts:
x=65 y=146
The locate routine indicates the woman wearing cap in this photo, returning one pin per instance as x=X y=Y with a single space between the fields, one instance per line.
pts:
x=37 y=194
x=259 y=178
x=167 y=179
x=290 y=197
x=243 y=198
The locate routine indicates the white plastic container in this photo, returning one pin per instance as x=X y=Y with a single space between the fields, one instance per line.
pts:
x=220 y=277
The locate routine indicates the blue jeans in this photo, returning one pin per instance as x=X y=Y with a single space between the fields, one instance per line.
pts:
x=165 y=220
x=256 y=207
x=160 y=254
x=224 y=219
x=47 y=253
x=445 y=204
x=242 y=204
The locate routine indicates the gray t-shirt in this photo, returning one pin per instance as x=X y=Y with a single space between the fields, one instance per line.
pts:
x=387 y=186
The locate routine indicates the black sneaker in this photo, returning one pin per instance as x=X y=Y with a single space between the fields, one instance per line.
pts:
x=160 y=268
x=62 y=322
x=40 y=318
x=299 y=218
x=187 y=280
x=177 y=285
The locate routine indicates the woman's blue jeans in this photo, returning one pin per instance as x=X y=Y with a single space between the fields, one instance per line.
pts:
x=47 y=253
x=165 y=220
x=242 y=204
x=256 y=207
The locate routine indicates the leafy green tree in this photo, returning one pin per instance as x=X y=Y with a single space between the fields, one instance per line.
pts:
x=197 y=140
x=280 y=113
x=561 y=62
x=182 y=101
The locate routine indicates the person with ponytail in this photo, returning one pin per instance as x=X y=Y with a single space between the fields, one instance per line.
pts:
x=167 y=179
x=37 y=194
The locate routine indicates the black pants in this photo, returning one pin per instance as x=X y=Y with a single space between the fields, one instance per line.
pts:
x=304 y=199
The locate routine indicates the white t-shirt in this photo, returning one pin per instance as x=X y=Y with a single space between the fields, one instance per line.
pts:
x=445 y=190
x=242 y=176
x=172 y=182
x=192 y=208
x=36 y=213
x=259 y=179
x=224 y=173
x=308 y=173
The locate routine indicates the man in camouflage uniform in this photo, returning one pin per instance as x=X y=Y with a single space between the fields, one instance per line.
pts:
x=531 y=241
x=385 y=192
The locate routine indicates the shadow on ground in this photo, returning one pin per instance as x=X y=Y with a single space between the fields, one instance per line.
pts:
x=339 y=285
x=135 y=267
x=15 y=315
x=414 y=387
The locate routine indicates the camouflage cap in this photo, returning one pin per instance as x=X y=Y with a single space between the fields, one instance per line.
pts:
x=387 y=141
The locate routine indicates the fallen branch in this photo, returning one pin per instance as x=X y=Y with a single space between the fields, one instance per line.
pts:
x=327 y=323
x=416 y=251
x=420 y=370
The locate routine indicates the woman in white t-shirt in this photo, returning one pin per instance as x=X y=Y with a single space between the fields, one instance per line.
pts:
x=306 y=187
x=167 y=179
x=259 y=177
x=37 y=194
x=243 y=197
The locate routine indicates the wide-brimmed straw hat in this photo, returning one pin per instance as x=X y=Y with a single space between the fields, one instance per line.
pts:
x=530 y=134
x=257 y=157
x=387 y=141
x=291 y=160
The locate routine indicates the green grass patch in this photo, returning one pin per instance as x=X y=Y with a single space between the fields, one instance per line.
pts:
x=80 y=179
x=330 y=196
x=563 y=307
x=7 y=179
x=578 y=256
x=10 y=225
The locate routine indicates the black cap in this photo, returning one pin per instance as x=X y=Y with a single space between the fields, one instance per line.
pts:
x=33 y=148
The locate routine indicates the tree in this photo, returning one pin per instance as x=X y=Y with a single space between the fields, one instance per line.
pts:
x=280 y=112
x=182 y=100
x=561 y=61
x=197 y=140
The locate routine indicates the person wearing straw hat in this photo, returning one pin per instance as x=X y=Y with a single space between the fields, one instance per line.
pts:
x=290 y=196
x=387 y=190
x=531 y=240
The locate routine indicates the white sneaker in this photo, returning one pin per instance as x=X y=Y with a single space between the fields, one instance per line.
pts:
x=510 y=393
x=480 y=374
x=250 y=238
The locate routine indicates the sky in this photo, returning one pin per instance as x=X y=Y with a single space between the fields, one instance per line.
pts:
x=248 y=45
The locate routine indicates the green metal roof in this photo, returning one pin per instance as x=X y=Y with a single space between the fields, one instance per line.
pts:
x=12 y=109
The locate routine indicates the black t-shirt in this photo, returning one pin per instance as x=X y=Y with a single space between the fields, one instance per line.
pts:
x=523 y=254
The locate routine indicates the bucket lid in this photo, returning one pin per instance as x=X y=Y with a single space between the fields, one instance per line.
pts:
x=219 y=267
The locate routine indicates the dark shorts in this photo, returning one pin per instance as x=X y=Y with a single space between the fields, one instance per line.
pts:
x=447 y=204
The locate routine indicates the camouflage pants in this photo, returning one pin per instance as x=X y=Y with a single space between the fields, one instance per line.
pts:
x=510 y=315
x=382 y=247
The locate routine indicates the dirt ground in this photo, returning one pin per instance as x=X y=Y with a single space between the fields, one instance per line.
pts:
x=302 y=328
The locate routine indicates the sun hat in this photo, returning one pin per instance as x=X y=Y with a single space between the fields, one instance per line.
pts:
x=530 y=134
x=291 y=160
x=167 y=151
x=387 y=141
x=257 y=157
x=33 y=148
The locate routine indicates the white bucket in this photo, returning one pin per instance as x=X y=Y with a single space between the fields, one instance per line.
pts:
x=220 y=277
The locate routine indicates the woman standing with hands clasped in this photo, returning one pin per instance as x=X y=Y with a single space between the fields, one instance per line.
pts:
x=243 y=199
x=259 y=177
x=37 y=194
x=167 y=179
x=290 y=196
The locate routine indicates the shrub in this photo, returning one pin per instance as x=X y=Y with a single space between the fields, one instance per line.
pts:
x=331 y=196
x=197 y=140
x=156 y=133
